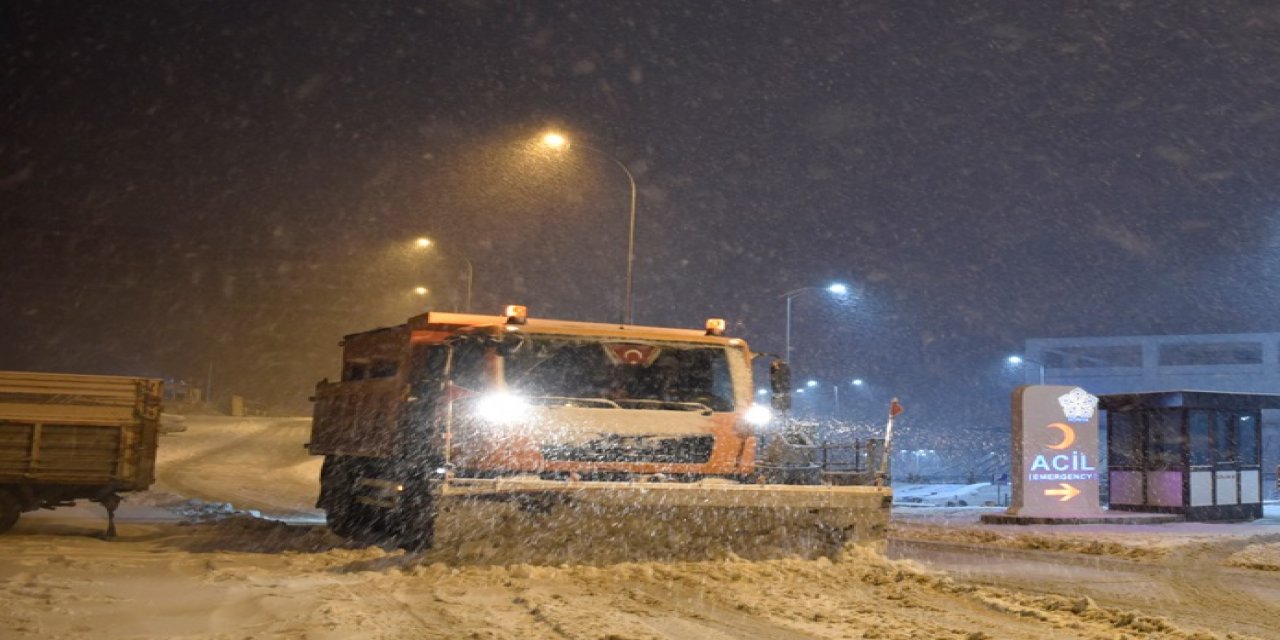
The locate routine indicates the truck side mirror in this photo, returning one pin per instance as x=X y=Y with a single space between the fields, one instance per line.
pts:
x=780 y=383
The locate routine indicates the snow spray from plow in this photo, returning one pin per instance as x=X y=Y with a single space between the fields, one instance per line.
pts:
x=605 y=522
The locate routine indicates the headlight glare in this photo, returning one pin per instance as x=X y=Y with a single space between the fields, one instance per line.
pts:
x=758 y=415
x=502 y=408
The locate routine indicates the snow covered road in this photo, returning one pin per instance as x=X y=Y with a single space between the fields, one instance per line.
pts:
x=1192 y=586
x=187 y=565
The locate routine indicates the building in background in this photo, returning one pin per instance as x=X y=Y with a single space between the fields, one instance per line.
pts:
x=1229 y=362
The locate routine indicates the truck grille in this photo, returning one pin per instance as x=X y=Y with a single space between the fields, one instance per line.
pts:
x=616 y=448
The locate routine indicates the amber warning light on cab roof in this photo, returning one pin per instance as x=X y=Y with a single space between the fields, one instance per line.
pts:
x=516 y=314
x=715 y=326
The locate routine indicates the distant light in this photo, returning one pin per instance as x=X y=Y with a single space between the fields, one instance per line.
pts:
x=838 y=289
x=422 y=291
x=800 y=390
x=1015 y=359
x=555 y=140
x=857 y=382
x=811 y=384
x=762 y=392
x=423 y=243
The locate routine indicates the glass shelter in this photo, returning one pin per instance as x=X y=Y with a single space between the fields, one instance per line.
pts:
x=1195 y=453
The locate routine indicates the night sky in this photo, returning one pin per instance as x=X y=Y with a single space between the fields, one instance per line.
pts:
x=187 y=185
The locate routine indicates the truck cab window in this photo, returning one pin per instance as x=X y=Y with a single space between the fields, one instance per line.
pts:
x=355 y=370
x=383 y=369
x=631 y=375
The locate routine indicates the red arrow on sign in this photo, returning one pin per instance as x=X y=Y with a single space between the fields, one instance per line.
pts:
x=1067 y=492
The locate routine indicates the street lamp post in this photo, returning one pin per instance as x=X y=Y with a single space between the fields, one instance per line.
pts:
x=836 y=288
x=424 y=242
x=1019 y=360
x=835 y=393
x=558 y=141
x=423 y=292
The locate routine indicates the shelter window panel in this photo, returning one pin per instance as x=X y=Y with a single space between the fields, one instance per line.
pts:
x=1201 y=446
x=1124 y=441
x=1225 y=436
x=1165 y=440
x=1247 y=449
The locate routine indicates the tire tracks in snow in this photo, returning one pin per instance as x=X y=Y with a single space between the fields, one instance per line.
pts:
x=1191 y=589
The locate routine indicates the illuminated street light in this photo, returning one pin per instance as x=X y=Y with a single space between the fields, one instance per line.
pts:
x=425 y=242
x=857 y=382
x=422 y=291
x=837 y=288
x=835 y=392
x=555 y=140
x=1019 y=360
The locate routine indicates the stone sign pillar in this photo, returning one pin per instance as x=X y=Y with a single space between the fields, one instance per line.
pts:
x=1055 y=452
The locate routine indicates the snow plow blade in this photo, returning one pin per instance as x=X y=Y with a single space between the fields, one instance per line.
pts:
x=595 y=522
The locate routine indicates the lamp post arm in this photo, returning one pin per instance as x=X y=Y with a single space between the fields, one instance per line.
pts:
x=471 y=272
x=786 y=354
x=628 y=316
x=631 y=242
x=795 y=292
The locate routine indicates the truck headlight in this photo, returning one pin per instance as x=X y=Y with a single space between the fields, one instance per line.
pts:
x=758 y=415
x=502 y=408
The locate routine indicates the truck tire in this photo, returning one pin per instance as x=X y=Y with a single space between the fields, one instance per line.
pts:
x=416 y=518
x=10 y=509
x=336 y=482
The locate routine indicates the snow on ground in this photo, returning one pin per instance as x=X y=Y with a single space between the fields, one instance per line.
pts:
x=228 y=545
x=929 y=519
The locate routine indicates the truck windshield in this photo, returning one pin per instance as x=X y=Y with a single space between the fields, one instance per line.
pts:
x=626 y=374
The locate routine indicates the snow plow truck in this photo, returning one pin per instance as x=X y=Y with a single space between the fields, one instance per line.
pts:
x=465 y=431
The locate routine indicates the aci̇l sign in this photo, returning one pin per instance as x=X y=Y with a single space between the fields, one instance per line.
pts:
x=1055 y=452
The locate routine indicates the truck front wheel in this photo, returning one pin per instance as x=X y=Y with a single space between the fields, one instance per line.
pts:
x=10 y=509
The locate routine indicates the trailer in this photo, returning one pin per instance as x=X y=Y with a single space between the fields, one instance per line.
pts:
x=68 y=437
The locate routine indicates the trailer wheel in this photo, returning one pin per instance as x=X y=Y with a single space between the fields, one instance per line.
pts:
x=10 y=509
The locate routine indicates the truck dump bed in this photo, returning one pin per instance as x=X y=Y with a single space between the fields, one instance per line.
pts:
x=96 y=433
